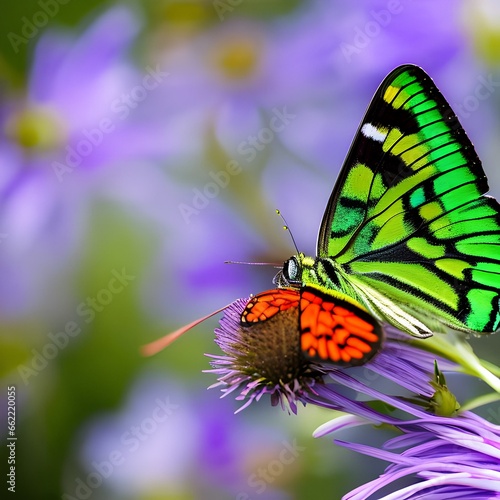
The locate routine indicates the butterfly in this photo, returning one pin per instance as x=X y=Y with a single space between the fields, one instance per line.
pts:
x=408 y=237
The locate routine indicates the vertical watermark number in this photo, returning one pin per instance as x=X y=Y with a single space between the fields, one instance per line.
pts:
x=11 y=438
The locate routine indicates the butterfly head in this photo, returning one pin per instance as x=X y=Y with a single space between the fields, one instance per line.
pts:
x=290 y=276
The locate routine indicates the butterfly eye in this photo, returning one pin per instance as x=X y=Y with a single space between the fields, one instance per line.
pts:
x=291 y=270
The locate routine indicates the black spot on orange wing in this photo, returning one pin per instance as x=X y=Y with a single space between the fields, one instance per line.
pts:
x=265 y=305
x=336 y=331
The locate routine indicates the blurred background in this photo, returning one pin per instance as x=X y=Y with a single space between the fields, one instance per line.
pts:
x=142 y=144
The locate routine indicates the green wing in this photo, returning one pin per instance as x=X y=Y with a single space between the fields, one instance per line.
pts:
x=407 y=216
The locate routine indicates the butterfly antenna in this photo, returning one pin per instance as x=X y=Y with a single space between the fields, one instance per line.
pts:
x=286 y=227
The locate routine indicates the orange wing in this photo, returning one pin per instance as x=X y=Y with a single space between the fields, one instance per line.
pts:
x=266 y=304
x=332 y=330
x=335 y=330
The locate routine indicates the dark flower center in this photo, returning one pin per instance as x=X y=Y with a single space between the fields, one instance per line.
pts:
x=270 y=350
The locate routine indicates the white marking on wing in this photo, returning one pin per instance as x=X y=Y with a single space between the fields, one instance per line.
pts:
x=368 y=130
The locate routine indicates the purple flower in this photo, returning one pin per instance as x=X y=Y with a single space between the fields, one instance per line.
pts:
x=447 y=457
x=242 y=88
x=230 y=75
x=266 y=359
x=78 y=121
x=255 y=364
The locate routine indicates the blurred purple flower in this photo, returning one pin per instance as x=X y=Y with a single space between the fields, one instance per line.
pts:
x=233 y=74
x=235 y=77
x=79 y=119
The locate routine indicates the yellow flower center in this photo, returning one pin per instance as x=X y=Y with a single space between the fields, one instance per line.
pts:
x=237 y=59
x=37 y=127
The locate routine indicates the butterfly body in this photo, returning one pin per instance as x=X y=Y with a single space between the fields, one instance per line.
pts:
x=408 y=233
x=327 y=275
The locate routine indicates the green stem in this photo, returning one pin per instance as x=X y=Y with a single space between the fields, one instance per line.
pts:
x=455 y=348
x=482 y=400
